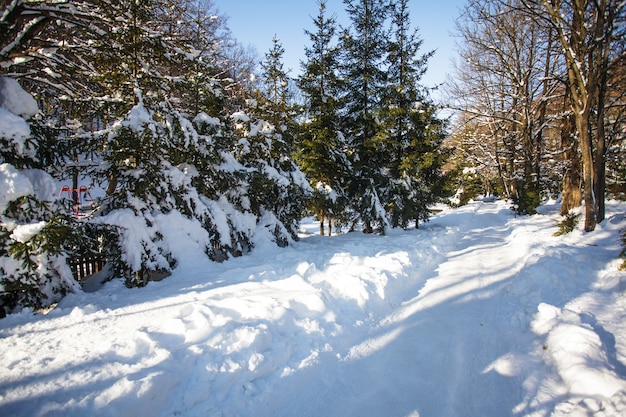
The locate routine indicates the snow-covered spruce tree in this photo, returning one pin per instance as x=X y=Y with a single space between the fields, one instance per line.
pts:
x=320 y=150
x=202 y=137
x=135 y=163
x=36 y=234
x=222 y=183
x=412 y=137
x=49 y=47
x=277 y=188
x=198 y=83
x=161 y=159
x=143 y=66
x=365 y=49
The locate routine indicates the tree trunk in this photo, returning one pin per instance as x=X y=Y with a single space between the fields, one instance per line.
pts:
x=112 y=185
x=571 y=192
x=601 y=64
x=75 y=194
x=571 y=187
x=586 y=147
x=599 y=175
x=581 y=85
x=321 y=214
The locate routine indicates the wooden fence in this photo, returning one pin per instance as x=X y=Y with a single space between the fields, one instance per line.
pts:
x=84 y=266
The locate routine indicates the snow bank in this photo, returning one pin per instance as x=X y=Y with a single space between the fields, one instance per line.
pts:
x=476 y=313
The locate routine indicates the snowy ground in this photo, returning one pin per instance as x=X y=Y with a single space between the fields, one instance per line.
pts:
x=477 y=313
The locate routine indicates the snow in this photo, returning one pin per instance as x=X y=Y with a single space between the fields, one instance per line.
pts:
x=327 y=191
x=477 y=313
x=45 y=188
x=14 y=184
x=138 y=236
x=15 y=100
x=138 y=118
x=16 y=105
x=15 y=128
x=240 y=117
x=25 y=232
x=203 y=118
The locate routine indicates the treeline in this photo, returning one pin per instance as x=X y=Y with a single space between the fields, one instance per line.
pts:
x=156 y=104
x=541 y=90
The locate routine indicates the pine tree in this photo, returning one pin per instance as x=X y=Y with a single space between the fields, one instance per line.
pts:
x=412 y=138
x=36 y=234
x=278 y=188
x=320 y=146
x=200 y=84
x=365 y=48
x=160 y=79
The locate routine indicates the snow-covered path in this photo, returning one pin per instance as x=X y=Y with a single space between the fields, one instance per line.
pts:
x=431 y=354
x=477 y=313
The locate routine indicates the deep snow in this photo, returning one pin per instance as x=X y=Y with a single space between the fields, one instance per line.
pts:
x=477 y=313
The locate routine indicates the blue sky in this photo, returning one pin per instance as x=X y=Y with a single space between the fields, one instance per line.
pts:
x=255 y=22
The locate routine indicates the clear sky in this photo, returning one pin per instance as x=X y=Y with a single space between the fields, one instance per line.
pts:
x=255 y=22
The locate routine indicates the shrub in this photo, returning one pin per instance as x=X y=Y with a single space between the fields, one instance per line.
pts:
x=568 y=224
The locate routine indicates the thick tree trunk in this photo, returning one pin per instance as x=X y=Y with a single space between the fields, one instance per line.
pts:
x=601 y=63
x=582 y=88
x=582 y=125
x=571 y=188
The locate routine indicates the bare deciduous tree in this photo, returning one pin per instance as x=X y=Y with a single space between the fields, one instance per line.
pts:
x=588 y=32
x=504 y=82
x=521 y=60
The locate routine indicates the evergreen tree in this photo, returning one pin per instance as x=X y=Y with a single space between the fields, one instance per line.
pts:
x=320 y=147
x=160 y=149
x=365 y=48
x=200 y=84
x=36 y=234
x=412 y=138
x=278 y=188
x=134 y=66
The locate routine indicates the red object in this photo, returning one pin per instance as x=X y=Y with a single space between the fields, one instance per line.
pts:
x=74 y=194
